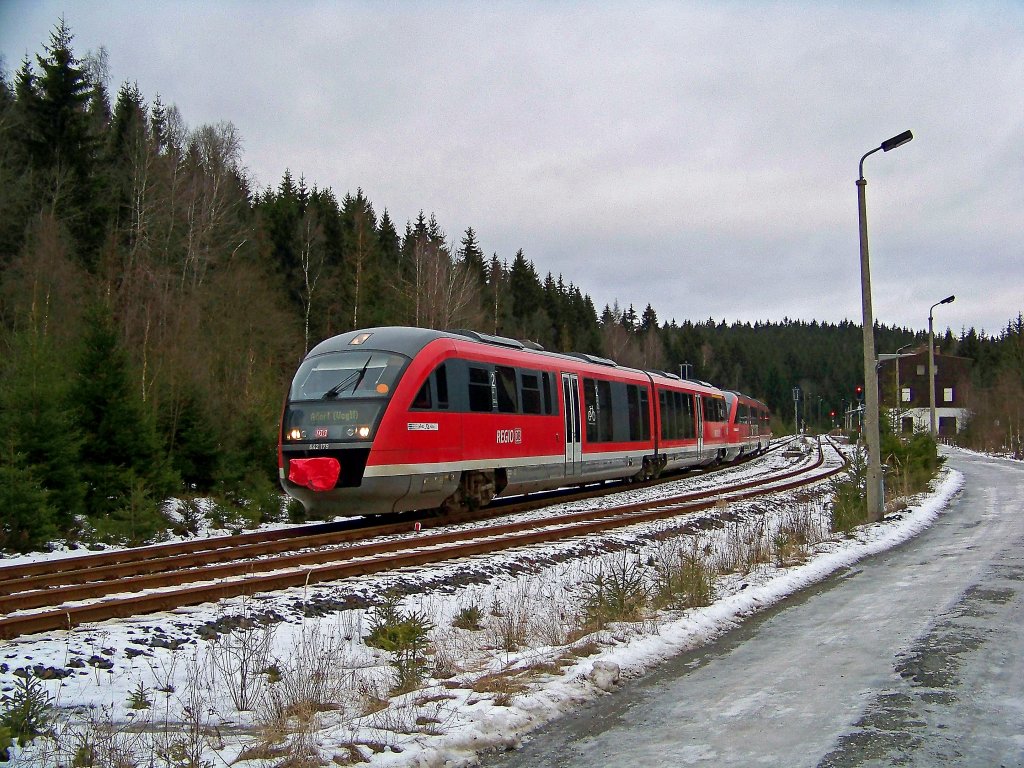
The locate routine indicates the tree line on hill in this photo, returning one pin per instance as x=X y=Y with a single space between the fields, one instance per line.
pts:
x=153 y=306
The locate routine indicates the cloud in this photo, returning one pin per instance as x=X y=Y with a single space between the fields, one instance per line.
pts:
x=698 y=157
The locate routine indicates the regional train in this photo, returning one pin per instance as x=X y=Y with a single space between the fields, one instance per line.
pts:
x=398 y=419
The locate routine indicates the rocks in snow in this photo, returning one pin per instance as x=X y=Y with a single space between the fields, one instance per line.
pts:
x=604 y=675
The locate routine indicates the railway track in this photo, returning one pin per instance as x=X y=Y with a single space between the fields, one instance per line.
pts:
x=36 y=599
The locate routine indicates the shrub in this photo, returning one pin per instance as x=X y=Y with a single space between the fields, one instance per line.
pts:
x=26 y=712
x=618 y=592
x=405 y=635
x=6 y=742
x=684 y=578
x=140 y=698
x=849 y=496
x=911 y=463
x=469 y=617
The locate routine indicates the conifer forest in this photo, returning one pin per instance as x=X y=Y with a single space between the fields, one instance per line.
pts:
x=154 y=305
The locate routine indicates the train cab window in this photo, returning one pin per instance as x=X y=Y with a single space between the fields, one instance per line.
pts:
x=532 y=402
x=343 y=375
x=508 y=395
x=480 y=400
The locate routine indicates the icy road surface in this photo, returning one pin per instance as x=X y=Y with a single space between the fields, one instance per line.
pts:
x=913 y=657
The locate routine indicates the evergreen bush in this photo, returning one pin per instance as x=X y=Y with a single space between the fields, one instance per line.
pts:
x=405 y=635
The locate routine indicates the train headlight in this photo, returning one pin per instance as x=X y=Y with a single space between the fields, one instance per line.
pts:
x=364 y=432
x=295 y=434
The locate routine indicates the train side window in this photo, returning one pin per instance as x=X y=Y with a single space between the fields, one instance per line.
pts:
x=505 y=379
x=550 y=404
x=605 y=410
x=532 y=402
x=645 y=413
x=639 y=423
x=590 y=409
x=480 y=390
x=597 y=398
x=423 y=401
x=441 y=377
x=689 y=423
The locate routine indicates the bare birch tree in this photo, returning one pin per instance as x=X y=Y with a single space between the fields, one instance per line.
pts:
x=311 y=260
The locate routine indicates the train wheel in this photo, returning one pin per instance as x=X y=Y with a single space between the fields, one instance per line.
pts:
x=476 y=489
x=652 y=467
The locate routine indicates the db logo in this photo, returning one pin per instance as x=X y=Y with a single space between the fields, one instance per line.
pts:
x=510 y=436
x=321 y=432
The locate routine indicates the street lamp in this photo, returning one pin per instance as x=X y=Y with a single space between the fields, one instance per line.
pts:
x=931 y=362
x=899 y=393
x=796 y=409
x=875 y=501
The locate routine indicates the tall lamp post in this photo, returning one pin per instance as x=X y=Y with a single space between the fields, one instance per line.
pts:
x=872 y=437
x=931 y=363
x=899 y=392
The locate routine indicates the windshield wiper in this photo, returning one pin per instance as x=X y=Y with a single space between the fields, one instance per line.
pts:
x=355 y=379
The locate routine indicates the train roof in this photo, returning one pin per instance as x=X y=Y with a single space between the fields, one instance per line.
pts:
x=410 y=341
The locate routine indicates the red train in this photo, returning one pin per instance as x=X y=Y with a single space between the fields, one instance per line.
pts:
x=398 y=419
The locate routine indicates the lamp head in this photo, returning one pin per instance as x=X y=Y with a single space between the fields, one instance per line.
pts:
x=948 y=300
x=897 y=141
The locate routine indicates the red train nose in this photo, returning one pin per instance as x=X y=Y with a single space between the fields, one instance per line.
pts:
x=319 y=474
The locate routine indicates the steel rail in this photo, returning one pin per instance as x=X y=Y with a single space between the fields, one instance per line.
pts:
x=365 y=559
x=153 y=559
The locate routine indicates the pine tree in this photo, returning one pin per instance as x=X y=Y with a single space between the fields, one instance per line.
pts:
x=27 y=522
x=61 y=142
x=121 y=458
x=40 y=444
x=473 y=257
x=525 y=291
x=194 y=450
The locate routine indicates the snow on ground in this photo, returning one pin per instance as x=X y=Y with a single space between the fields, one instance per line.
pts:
x=252 y=680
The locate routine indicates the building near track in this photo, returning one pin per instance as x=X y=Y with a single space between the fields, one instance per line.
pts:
x=903 y=391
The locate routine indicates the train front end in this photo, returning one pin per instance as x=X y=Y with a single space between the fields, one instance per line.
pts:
x=337 y=400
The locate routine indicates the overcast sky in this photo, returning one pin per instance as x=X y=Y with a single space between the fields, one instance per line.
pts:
x=700 y=157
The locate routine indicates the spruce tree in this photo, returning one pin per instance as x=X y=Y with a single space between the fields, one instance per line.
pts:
x=40 y=439
x=61 y=142
x=27 y=520
x=121 y=459
x=473 y=257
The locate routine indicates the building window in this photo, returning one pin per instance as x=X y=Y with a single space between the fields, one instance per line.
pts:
x=920 y=370
x=905 y=395
x=947 y=395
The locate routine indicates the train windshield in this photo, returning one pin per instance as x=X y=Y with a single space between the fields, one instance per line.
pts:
x=344 y=375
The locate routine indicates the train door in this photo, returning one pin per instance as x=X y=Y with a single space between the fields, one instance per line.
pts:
x=573 y=446
x=699 y=417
